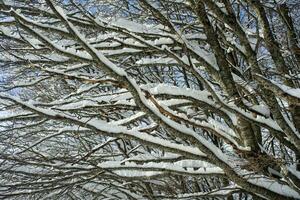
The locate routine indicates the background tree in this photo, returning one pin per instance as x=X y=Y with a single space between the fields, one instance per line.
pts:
x=150 y=99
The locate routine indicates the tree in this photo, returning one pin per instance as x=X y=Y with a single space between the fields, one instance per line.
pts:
x=150 y=99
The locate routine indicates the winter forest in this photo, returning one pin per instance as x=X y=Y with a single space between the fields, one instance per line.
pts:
x=150 y=99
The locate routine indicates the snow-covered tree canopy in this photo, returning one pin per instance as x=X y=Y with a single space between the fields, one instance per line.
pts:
x=150 y=99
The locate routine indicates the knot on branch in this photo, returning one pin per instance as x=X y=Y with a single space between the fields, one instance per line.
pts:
x=260 y=163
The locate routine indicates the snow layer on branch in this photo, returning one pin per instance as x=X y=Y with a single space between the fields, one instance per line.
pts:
x=274 y=186
x=134 y=26
x=194 y=167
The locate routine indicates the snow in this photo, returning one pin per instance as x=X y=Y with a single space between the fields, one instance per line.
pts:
x=294 y=171
x=155 y=61
x=163 y=41
x=136 y=174
x=203 y=96
x=152 y=158
x=262 y=108
x=193 y=164
x=6 y=116
x=111 y=130
x=129 y=119
x=129 y=167
x=173 y=90
x=130 y=26
x=120 y=51
x=213 y=126
x=178 y=127
x=295 y=92
x=274 y=186
x=152 y=166
x=6 y=31
x=219 y=192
